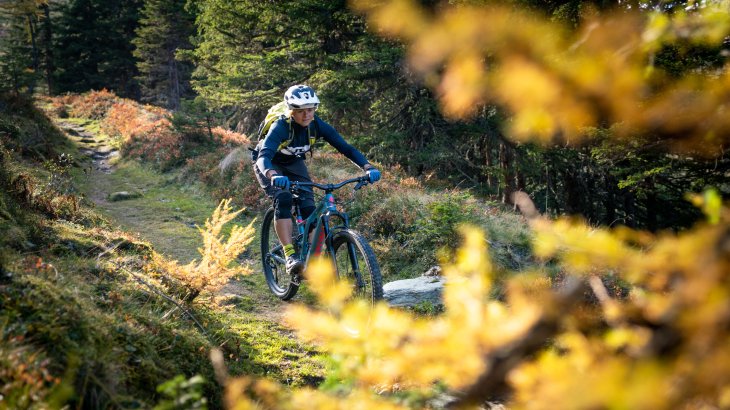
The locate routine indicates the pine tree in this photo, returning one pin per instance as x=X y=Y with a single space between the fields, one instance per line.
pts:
x=165 y=27
x=248 y=49
x=18 y=58
x=93 y=46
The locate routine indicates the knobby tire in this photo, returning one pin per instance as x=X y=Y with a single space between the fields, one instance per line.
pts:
x=279 y=281
x=367 y=283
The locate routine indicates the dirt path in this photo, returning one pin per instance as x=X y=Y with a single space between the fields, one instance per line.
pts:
x=160 y=211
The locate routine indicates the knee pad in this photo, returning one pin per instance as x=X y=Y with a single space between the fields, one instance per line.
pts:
x=282 y=205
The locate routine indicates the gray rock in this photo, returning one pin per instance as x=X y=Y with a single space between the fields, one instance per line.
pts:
x=71 y=131
x=412 y=292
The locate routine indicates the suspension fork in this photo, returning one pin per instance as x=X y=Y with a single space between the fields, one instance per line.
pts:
x=355 y=265
x=351 y=250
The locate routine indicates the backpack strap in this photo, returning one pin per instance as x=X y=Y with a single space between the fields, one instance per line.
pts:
x=313 y=138
x=291 y=132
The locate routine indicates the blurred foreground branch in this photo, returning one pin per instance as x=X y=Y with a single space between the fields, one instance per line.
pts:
x=492 y=382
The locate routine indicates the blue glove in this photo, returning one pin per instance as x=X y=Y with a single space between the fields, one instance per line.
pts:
x=373 y=174
x=280 y=181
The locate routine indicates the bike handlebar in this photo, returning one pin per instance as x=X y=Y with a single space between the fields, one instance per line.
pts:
x=362 y=180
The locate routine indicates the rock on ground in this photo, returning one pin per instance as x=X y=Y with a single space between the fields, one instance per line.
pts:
x=412 y=292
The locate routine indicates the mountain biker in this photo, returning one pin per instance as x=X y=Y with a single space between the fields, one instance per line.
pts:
x=278 y=163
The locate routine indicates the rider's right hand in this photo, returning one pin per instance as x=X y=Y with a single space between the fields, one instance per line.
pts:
x=280 y=181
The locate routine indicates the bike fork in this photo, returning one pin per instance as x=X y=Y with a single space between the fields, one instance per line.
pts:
x=355 y=265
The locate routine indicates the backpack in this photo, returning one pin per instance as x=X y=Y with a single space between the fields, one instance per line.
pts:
x=276 y=112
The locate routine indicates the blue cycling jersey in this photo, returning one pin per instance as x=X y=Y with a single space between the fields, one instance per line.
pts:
x=270 y=154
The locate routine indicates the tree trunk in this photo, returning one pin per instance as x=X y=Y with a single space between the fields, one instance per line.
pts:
x=519 y=175
x=489 y=162
x=609 y=201
x=33 y=30
x=484 y=147
x=47 y=39
x=629 y=210
x=651 y=205
x=548 y=187
x=589 y=195
x=505 y=164
x=571 y=193
x=175 y=92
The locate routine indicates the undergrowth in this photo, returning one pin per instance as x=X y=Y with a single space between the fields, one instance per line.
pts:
x=82 y=324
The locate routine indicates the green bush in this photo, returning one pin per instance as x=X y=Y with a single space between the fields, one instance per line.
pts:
x=440 y=227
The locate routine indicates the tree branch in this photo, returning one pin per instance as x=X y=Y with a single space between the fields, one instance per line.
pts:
x=492 y=382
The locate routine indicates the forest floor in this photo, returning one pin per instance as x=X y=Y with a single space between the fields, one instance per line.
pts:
x=166 y=213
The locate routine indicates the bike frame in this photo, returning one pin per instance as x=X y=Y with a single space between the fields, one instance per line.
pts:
x=320 y=219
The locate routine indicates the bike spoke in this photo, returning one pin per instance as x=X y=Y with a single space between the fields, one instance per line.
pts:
x=274 y=261
x=355 y=262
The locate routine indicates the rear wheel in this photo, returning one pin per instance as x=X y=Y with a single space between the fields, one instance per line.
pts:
x=274 y=261
x=355 y=262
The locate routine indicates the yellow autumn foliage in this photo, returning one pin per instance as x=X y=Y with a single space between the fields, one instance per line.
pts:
x=633 y=320
x=555 y=82
x=216 y=267
x=546 y=345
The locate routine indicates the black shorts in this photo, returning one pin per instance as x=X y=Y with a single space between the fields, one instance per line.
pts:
x=296 y=171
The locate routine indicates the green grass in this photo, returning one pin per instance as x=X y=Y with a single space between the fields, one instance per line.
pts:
x=269 y=348
x=165 y=214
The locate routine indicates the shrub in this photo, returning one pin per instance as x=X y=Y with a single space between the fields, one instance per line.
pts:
x=122 y=121
x=663 y=346
x=92 y=105
x=27 y=379
x=393 y=216
x=229 y=138
x=445 y=215
x=155 y=143
x=29 y=190
x=217 y=255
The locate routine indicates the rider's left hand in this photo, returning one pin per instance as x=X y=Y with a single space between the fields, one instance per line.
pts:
x=373 y=174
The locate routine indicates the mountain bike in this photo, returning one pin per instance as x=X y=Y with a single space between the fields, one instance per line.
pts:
x=353 y=258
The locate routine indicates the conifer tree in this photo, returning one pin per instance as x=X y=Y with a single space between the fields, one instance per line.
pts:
x=18 y=70
x=165 y=27
x=248 y=49
x=93 y=46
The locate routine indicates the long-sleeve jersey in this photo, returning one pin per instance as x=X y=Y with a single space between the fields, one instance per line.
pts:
x=270 y=152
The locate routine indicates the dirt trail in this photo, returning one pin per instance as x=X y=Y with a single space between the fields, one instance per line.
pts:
x=161 y=212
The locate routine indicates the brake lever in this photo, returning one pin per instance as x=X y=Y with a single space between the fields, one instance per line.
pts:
x=364 y=181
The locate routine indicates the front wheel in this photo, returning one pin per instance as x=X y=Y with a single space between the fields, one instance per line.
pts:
x=274 y=261
x=355 y=262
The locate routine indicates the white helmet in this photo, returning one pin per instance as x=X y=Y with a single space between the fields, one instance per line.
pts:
x=300 y=96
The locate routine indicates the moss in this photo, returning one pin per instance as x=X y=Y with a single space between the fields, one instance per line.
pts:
x=27 y=129
x=90 y=333
x=100 y=328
